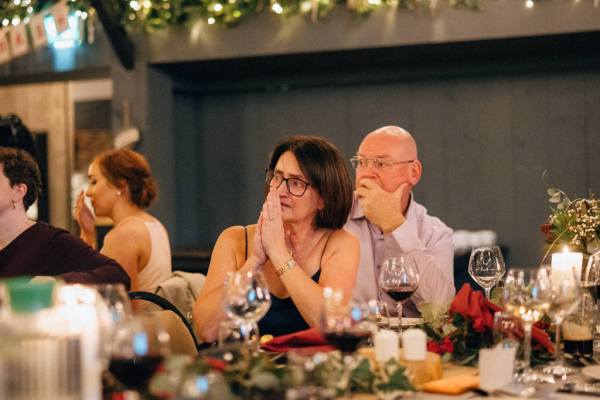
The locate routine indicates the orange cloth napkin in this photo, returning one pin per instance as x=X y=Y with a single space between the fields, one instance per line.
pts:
x=473 y=305
x=309 y=341
x=452 y=385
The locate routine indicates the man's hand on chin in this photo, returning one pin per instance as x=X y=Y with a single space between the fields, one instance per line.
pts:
x=382 y=208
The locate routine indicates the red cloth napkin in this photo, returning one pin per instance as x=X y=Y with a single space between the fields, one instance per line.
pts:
x=473 y=305
x=309 y=341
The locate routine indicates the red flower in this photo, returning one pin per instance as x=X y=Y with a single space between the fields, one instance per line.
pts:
x=479 y=325
x=216 y=363
x=434 y=347
x=547 y=231
x=447 y=345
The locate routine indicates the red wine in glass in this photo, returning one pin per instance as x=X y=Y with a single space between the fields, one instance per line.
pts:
x=401 y=293
x=347 y=342
x=134 y=372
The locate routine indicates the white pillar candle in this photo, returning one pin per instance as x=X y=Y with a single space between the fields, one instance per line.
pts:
x=386 y=346
x=414 y=345
x=563 y=265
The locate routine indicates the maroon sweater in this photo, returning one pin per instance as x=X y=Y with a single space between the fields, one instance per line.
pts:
x=45 y=250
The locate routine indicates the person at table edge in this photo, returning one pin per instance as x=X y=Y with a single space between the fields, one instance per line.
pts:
x=388 y=221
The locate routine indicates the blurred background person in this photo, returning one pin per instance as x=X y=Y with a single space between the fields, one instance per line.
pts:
x=297 y=243
x=35 y=248
x=121 y=187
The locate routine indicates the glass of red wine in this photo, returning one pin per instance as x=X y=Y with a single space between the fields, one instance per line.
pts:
x=399 y=279
x=139 y=346
x=346 y=325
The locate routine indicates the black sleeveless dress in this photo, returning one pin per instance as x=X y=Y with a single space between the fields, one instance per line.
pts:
x=283 y=317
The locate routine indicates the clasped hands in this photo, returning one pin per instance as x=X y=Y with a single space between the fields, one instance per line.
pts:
x=271 y=240
x=382 y=208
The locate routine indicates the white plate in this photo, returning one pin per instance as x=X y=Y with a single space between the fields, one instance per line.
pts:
x=406 y=322
x=592 y=371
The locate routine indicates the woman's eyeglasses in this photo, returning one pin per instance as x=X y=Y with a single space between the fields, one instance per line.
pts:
x=295 y=186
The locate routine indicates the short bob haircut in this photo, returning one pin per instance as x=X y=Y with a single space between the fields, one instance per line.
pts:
x=20 y=168
x=125 y=166
x=322 y=163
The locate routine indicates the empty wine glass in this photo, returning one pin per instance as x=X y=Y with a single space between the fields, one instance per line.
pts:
x=345 y=325
x=139 y=345
x=399 y=279
x=486 y=267
x=565 y=299
x=246 y=300
x=528 y=295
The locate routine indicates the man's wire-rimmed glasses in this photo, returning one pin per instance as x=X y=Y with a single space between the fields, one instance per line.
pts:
x=377 y=163
x=295 y=186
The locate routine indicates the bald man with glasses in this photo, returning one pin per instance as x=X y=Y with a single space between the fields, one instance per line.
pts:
x=389 y=222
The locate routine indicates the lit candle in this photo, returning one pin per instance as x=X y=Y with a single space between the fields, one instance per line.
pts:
x=563 y=264
x=414 y=345
x=386 y=346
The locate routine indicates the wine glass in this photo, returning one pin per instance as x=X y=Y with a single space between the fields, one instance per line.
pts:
x=591 y=276
x=399 y=279
x=246 y=300
x=139 y=346
x=345 y=325
x=528 y=295
x=486 y=267
x=565 y=300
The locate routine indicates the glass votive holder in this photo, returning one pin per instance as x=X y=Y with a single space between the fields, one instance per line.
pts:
x=508 y=333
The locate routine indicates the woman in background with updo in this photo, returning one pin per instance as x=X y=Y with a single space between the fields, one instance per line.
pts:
x=121 y=187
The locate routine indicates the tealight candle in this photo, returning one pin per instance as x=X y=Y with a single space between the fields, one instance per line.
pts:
x=414 y=345
x=386 y=346
x=563 y=264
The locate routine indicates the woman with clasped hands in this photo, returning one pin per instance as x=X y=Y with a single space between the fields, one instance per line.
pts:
x=121 y=187
x=298 y=242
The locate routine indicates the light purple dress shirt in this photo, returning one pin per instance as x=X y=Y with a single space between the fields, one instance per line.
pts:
x=425 y=237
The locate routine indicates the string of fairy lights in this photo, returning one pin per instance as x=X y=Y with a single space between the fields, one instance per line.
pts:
x=151 y=15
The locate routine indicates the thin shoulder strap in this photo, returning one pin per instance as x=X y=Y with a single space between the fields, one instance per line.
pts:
x=246 y=244
x=324 y=248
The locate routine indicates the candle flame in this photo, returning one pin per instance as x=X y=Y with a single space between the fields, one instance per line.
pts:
x=565 y=249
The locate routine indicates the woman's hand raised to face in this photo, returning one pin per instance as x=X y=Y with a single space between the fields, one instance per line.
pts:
x=258 y=251
x=272 y=230
x=85 y=219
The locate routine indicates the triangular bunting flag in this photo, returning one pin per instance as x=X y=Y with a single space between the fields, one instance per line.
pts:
x=4 y=51
x=38 y=31
x=60 y=12
x=18 y=40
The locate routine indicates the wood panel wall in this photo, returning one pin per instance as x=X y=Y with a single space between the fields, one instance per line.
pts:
x=484 y=143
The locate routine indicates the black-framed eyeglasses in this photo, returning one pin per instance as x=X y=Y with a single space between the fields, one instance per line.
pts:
x=295 y=186
x=377 y=163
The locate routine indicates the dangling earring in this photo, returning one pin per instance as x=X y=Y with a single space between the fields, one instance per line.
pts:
x=14 y=204
x=321 y=213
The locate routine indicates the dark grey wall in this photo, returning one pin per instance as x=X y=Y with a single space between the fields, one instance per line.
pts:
x=484 y=143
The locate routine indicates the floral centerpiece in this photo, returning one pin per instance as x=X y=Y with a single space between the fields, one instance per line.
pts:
x=236 y=373
x=457 y=332
x=575 y=223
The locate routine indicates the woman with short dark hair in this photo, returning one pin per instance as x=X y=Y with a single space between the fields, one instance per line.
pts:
x=121 y=187
x=36 y=248
x=298 y=242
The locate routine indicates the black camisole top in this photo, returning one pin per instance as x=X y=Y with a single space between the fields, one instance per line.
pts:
x=283 y=317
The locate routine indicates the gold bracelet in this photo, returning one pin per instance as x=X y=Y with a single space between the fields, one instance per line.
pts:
x=289 y=264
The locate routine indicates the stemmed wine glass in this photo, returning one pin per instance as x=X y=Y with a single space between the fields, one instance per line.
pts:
x=486 y=267
x=565 y=300
x=399 y=279
x=139 y=345
x=528 y=297
x=590 y=278
x=246 y=301
x=345 y=325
